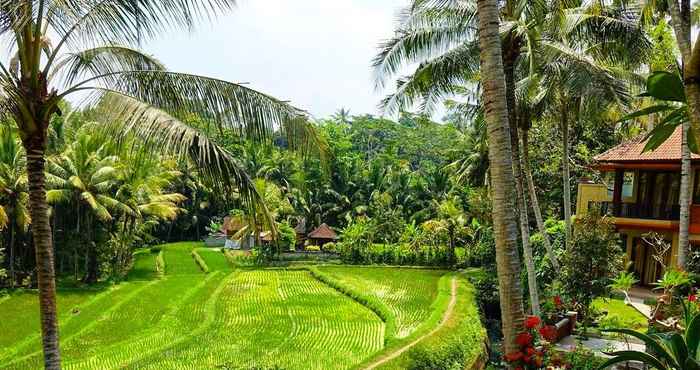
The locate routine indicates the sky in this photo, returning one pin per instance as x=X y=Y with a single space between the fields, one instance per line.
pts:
x=315 y=53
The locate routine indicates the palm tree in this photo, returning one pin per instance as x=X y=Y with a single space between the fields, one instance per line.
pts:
x=504 y=223
x=13 y=192
x=690 y=57
x=95 y=53
x=342 y=116
x=83 y=177
x=572 y=85
x=453 y=220
x=582 y=68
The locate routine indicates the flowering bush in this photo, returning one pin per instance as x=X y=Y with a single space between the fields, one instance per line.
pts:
x=554 y=309
x=534 y=343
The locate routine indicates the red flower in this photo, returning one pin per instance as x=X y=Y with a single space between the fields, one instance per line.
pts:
x=549 y=333
x=532 y=322
x=692 y=298
x=524 y=339
x=514 y=356
x=530 y=351
x=557 y=300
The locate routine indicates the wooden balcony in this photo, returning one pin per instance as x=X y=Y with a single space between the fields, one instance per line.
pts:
x=663 y=212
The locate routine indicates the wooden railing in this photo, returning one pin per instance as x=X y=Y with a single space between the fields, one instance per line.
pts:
x=666 y=212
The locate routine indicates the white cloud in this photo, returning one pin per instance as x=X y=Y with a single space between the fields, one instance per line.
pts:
x=316 y=53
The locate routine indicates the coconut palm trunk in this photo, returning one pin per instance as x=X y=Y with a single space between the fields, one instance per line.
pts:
x=684 y=199
x=566 y=175
x=680 y=20
x=509 y=57
x=12 y=253
x=533 y=197
x=504 y=223
x=41 y=231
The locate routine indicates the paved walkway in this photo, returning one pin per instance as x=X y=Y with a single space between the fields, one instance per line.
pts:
x=397 y=352
x=637 y=297
x=597 y=345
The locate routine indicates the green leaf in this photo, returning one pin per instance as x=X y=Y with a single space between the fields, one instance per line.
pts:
x=624 y=356
x=692 y=337
x=646 y=111
x=665 y=86
x=679 y=348
x=649 y=341
x=659 y=135
x=692 y=364
x=692 y=141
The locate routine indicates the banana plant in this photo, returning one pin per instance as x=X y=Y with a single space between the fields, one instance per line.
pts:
x=677 y=351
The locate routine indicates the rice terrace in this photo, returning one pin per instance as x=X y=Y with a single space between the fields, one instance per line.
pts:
x=349 y=184
x=184 y=306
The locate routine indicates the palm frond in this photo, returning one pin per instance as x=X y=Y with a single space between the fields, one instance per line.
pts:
x=114 y=204
x=248 y=112
x=88 y=23
x=125 y=115
x=424 y=34
x=4 y=220
x=102 y=60
x=58 y=196
x=435 y=79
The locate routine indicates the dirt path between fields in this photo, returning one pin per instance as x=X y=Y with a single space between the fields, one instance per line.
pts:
x=397 y=352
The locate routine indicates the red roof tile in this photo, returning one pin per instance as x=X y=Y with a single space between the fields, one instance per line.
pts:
x=323 y=232
x=631 y=151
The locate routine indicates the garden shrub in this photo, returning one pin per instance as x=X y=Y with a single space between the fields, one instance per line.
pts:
x=546 y=274
x=449 y=356
x=286 y=237
x=156 y=249
x=459 y=344
x=312 y=248
x=486 y=285
x=395 y=254
x=583 y=359
x=593 y=260
x=330 y=247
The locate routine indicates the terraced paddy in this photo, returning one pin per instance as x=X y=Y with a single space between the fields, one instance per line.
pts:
x=408 y=294
x=183 y=318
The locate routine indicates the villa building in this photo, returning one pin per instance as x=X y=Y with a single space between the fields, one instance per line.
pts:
x=640 y=190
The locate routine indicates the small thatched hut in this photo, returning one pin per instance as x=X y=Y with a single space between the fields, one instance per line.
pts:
x=322 y=235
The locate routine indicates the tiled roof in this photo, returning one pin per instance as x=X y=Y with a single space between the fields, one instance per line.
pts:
x=631 y=151
x=323 y=232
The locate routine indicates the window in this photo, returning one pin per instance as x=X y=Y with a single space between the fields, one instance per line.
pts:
x=627 y=184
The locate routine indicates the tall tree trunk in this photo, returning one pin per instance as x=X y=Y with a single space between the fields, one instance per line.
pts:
x=684 y=199
x=505 y=227
x=12 y=252
x=41 y=230
x=509 y=58
x=533 y=198
x=92 y=272
x=680 y=20
x=566 y=175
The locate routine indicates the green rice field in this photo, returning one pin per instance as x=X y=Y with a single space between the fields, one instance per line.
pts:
x=208 y=315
